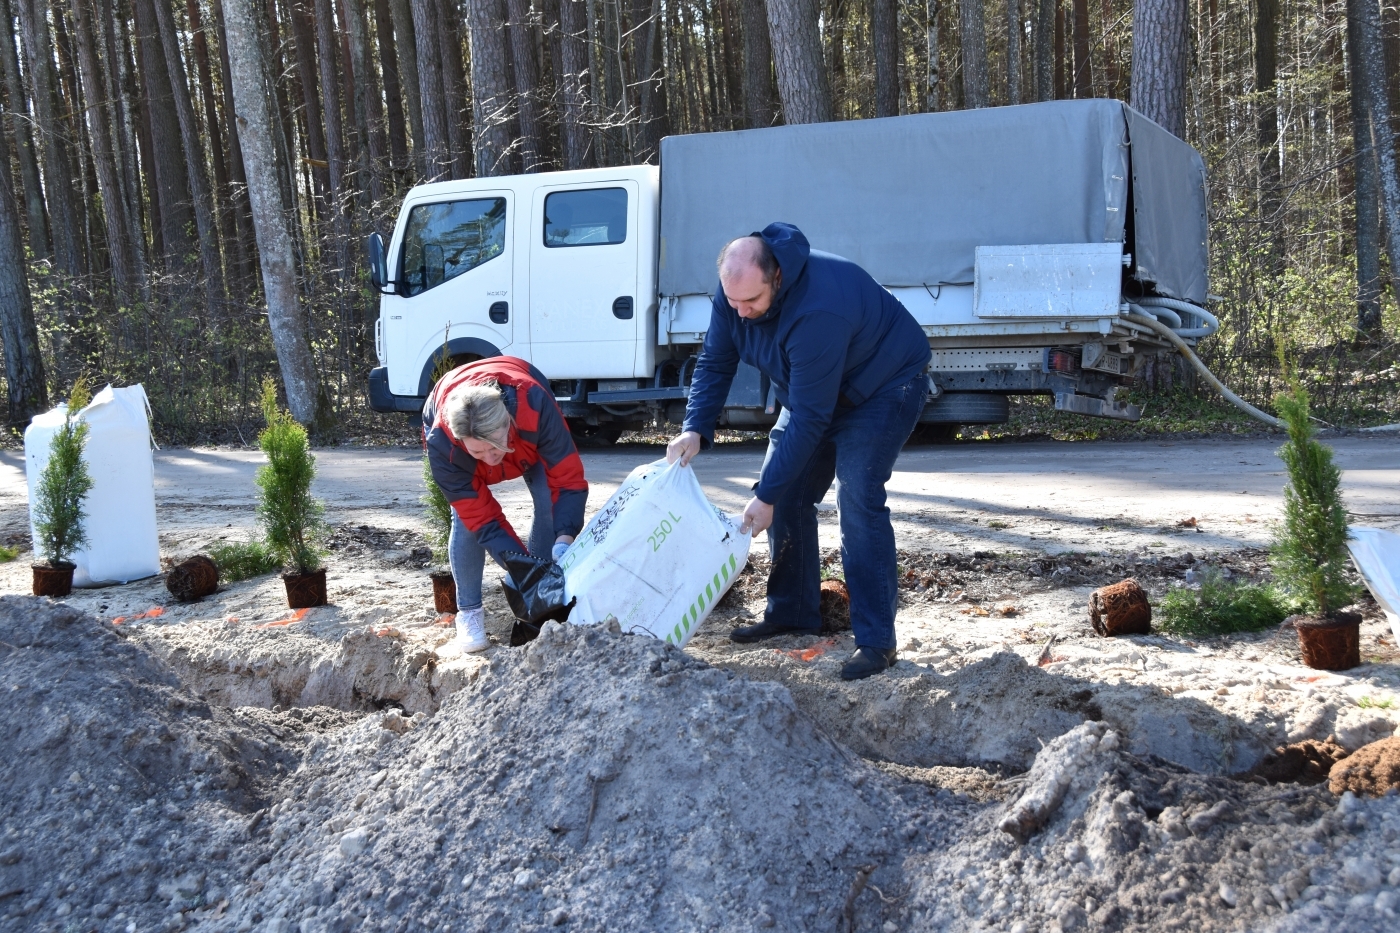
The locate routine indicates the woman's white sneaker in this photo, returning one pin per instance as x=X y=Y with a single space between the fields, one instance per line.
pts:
x=471 y=634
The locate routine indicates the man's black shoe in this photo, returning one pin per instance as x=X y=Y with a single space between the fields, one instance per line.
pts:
x=867 y=661
x=767 y=629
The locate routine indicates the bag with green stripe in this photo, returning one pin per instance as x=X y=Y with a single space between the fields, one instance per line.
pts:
x=657 y=556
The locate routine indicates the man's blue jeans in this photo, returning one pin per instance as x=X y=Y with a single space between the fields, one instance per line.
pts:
x=468 y=558
x=858 y=449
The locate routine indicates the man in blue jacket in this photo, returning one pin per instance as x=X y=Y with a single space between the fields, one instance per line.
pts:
x=848 y=363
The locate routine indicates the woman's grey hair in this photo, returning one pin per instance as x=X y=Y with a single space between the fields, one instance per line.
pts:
x=478 y=411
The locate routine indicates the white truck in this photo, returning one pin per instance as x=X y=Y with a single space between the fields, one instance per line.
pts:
x=1021 y=238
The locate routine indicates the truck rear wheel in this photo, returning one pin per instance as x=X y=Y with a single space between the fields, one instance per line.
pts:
x=933 y=434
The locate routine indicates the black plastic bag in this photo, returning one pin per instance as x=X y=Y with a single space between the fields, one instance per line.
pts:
x=534 y=589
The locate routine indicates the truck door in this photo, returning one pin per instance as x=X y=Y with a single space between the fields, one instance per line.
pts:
x=454 y=268
x=585 y=313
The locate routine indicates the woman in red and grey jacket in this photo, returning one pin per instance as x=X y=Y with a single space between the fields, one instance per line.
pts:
x=486 y=422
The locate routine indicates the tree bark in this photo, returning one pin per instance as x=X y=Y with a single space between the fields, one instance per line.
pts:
x=1160 y=42
x=797 y=57
x=934 y=79
x=406 y=44
x=1014 y=25
x=19 y=338
x=1045 y=50
x=527 y=81
x=304 y=38
x=199 y=44
x=256 y=128
x=209 y=253
x=167 y=149
x=573 y=61
x=651 y=98
x=884 y=36
x=335 y=134
x=1364 y=38
x=1265 y=76
x=245 y=246
x=63 y=216
x=454 y=88
x=104 y=154
x=1061 y=88
x=976 y=88
x=1083 y=69
x=760 y=96
x=490 y=88
x=437 y=158
x=19 y=122
x=393 y=86
x=368 y=102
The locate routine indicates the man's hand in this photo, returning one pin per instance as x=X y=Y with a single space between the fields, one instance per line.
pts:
x=682 y=447
x=757 y=517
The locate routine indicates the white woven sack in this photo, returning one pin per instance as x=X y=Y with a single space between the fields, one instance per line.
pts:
x=657 y=556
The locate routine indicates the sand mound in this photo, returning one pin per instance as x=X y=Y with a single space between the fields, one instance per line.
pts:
x=1370 y=771
x=606 y=779
x=124 y=796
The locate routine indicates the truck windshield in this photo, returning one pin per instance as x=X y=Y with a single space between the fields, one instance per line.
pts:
x=444 y=240
x=593 y=217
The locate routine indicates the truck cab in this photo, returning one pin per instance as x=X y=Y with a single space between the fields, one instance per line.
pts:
x=1018 y=237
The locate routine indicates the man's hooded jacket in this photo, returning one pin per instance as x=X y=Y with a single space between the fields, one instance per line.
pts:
x=538 y=434
x=833 y=337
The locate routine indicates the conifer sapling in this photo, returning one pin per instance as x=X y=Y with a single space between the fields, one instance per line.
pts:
x=292 y=521
x=63 y=485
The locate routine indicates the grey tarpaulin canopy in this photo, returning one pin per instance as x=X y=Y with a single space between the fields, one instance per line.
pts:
x=910 y=198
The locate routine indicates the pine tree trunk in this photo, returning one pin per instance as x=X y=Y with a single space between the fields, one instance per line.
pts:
x=43 y=90
x=116 y=63
x=1161 y=30
x=454 y=88
x=199 y=44
x=393 y=86
x=119 y=247
x=522 y=58
x=19 y=123
x=368 y=101
x=884 y=36
x=335 y=134
x=797 y=57
x=1061 y=88
x=490 y=88
x=1363 y=20
x=245 y=245
x=437 y=158
x=406 y=44
x=976 y=88
x=1265 y=75
x=304 y=38
x=1045 y=50
x=651 y=99
x=933 y=85
x=573 y=61
x=1367 y=200
x=1014 y=25
x=1083 y=73
x=252 y=97
x=167 y=149
x=19 y=338
x=760 y=96
x=209 y=253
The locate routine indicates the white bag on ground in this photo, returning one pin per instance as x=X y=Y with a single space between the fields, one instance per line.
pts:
x=120 y=510
x=1376 y=554
x=657 y=556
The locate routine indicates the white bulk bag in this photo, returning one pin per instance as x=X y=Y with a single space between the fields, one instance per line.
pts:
x=657 y=556
x=1376 y=554
x=120 y=510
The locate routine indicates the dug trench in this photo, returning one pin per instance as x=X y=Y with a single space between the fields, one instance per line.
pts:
x=235 y=767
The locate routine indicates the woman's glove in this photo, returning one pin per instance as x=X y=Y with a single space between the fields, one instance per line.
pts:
x=558 y=552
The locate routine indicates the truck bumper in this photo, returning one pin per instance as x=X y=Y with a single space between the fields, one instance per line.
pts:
x=381 y=399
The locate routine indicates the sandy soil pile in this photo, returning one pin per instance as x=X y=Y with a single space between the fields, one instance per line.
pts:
x=124 y=797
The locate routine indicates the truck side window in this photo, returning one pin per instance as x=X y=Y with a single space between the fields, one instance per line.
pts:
x=595 y=217
x=444 y=240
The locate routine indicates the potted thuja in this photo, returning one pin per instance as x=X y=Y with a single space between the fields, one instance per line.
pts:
x=58 y=508
x=437 y=513
x=292 y=524
x=1309 y=551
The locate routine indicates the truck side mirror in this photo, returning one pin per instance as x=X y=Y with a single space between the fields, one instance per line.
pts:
x=378 y=268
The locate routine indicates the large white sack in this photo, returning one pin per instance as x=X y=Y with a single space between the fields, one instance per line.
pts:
x=657 y=556
x=1376 y=554
x=121 y=508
